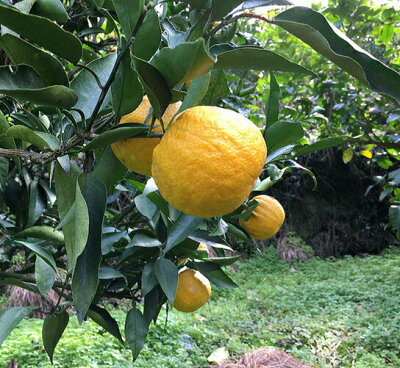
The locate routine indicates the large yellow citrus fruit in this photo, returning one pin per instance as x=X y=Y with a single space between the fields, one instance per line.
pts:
x=266 y=219
x=136 y=153
x=192 y=292
x=208 y=161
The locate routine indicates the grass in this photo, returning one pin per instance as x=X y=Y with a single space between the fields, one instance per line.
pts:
x=336 y=313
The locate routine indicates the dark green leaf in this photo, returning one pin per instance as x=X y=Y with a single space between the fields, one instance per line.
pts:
x=315 y=30
x=282 y=133
x=322 y=144
x=128 y=13
x=86 y=87
x=52 y=9
x=42 y=31
x=36 y=205
x=105 y=320
x=184 y=226
x=215 y=274
x=220 y=8
x=26 y=84
x=40 y=252
x=167 y=276
x=148 y=38
x=9 y=319
x=117 y=134
x=44 y=276
x=107 y=273
x=76 y=229
x=53 y=328
x=21 y=52
x=217 y=88
x=255 y=58
x=394 y=217
x=4 y=167
x=136 y=329
x=149 y=279
x=21 y=284
x=157 y=89
x=86 y=275
x=127 y=91
x=183 y=63
x=272 y=107
x=109 y=169
x=153 y=302
x=197 y=90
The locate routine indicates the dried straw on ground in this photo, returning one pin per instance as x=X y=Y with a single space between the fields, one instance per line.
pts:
x=265 y=358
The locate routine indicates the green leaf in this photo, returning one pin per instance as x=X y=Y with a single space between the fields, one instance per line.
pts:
x=394 y=217
x=40 y=252
x=321 y=144
x=184 y=226
x=272 y=107
x=21 y=284
x=41 y=232
x=282 y=133
x=38 y=139
x=104 y=319
x=109 y=169
x=217 y=88
x=127 y=91
x=148 y=37
x=69 y=195
x=4 y=167
x=223 y=261
x=183 y=63
x=155 y=85
x=52 y=9
x=315 y=30
x=36 y=205
x=220 y=8
x=128 y=13
x=107 y=273
x=167 y=276
x=26 y=84
x=9 y=319
x=5 y=142
x=147 y=208
x=136 y=329
x=215 y=274
x=86 y=87
x=197 y=90
x=44 y=276
x=120 y=132
x=53 y=328
x=22 y=52
x=143 y=240
x=86 y=274
x=149 y=279
x=255 y=58
x=42 y=31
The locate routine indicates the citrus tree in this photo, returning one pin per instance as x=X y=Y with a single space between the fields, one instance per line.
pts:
x=120 y=177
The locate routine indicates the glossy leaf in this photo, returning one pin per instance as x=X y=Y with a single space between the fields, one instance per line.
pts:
x=215 y=274
x=86 y=87
x=184 y=226
x=155 y=85
x=183 y=63
x=40 y=252
x=272 y=107
x=167 y=276
x=52 y=9
x=147 y=208
x=86 y=277
x=221 y=8
x=128 y=13
x=42 y=31
x=38 y=139
x=136 y=329
x=197 y=90
x=127 y=91
x=148 y=37
x=21 y=52
x=255 y=58
x=282 y=133
x=104 y=319
x=315 y=30
x=44 y=276
x=76 y=229
x=26 y=84
x=217 y=88
x=53 y=328
x=143 y=240
x=9 y=319
x=322 y=144
x=41 y=232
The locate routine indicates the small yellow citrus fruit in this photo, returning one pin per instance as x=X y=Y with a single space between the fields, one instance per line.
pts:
x=208 y=161
x=136 y=153
x=203 y=248
x=193 y=290
x=266 y=219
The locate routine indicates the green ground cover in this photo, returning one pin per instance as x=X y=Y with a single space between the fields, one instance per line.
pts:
x=336 y=313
